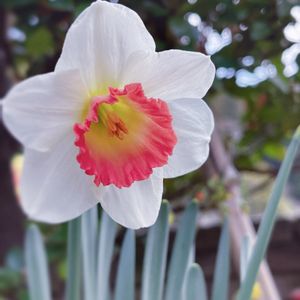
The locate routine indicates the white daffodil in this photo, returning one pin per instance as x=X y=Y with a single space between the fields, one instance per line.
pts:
x=112 y=120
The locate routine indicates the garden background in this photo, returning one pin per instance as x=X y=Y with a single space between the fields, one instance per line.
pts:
x=255 y=98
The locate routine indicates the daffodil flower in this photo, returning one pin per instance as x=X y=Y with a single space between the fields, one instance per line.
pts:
x=112 y=120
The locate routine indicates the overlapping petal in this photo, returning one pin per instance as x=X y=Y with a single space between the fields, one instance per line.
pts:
x=42 y=109
x=193 y=124
x=53 y=188
x=100 y=41
x=171 y=74
x=136 y=206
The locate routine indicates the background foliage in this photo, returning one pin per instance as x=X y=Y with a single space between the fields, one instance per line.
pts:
x=255 y=96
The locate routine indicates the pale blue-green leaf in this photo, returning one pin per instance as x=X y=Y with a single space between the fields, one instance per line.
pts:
x=181 y=252
x=108 y=230
x=125 y=284
x=192 y=255
x=195 y=287
x=244 y=256
x=89 y=234
x=222 y=267
x=191 y=262
x=73 y=284
x=267 y=223
x=36 y=265
x=155 y=256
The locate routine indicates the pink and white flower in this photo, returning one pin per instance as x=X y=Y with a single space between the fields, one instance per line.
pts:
x=112 y=120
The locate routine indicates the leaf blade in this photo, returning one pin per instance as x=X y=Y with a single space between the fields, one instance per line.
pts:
x=244 y=257
x=89 y=233
x=268 y=220
x=222 y=268
x=73 y=284
x=126 y=271
x=195 y=287
x=36 y=263
x=181 y=253
x=156 y=256
x=107 y=235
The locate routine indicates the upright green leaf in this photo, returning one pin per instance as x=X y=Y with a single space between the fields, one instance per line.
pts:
x=73 y=284
x=155 y=256
x=222 y=268
x=244 y=257
x=36 y=265
x=125 y=285
x=267 y=223
x=108 y=230
x=195 y=287
x=89 y=234
x=191 y=262
x=181 y=252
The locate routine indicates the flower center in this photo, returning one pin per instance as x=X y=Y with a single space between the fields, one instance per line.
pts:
x=109 y=116
x=115 y=125
x=123 y=136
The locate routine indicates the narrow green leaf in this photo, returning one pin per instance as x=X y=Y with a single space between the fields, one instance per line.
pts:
x=267 y=223
x=108 y=230
x=125 y=285
x=192 y=256
x=36 y=264
x=191 y=261
x=195 y=287
x=89 y=234
x=155 y=256
x=181 y=252
x=73 y=284
x=222 y=268
x=244 y=257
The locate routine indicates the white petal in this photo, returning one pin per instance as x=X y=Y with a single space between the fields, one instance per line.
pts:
x=40 y=110
x=53 y=187
x=136 y=206
x=100 y=41
x=193 y=124
x=171 y=74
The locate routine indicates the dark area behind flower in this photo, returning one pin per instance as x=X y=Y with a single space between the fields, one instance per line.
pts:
x=255 y=46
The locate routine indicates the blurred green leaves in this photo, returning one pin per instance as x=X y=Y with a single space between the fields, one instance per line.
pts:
x=39 y=43
x=16 y=3
x=62 y=5
x=11 y=279
x=260 y=30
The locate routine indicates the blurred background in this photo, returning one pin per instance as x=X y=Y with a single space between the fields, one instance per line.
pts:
x=255 y=46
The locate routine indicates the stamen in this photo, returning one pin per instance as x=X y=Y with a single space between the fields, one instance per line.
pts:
x=115 y=125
